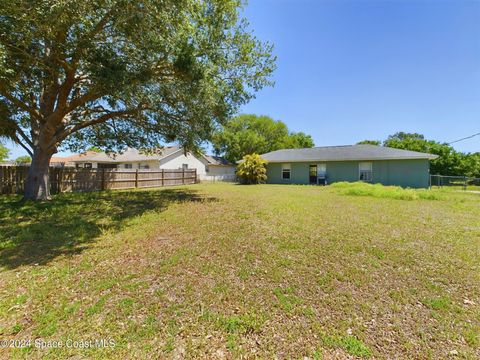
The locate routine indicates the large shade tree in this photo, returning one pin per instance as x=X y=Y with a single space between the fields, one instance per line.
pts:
x=115 y=73
x=249 y=133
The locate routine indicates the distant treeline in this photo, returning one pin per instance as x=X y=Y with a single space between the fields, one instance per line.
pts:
x=449 y=161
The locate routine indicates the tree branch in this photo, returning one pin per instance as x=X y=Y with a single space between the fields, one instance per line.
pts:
x=24 y=136
x=96 y=29
x=101 y=119
x=19 y=103
x=17 y=140
x=63 y=94
x=82 y=100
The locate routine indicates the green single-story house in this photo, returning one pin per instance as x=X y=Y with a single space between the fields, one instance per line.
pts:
x=329 y=164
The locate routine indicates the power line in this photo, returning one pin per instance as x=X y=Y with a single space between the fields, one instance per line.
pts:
x=465 y=138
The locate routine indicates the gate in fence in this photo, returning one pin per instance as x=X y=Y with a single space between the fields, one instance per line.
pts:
x=12 y=179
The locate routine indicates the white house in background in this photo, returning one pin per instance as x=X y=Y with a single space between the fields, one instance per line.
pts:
x=218 y=166
x=171 y=157
x=69 y=161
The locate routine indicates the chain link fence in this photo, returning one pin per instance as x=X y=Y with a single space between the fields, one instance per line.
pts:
x=461 y=182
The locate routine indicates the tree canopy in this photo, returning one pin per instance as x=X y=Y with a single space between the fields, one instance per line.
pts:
x=116 y=73
x=4 y=152
x=23 y=159
x=248 y=134
x=370 y=142
x=449 y=161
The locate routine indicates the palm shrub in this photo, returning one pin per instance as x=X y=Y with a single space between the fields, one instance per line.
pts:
x=252 y=170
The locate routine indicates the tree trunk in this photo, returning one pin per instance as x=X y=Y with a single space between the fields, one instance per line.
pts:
x=37 y=184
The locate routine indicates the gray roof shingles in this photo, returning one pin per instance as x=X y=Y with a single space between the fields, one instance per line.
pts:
x=217 y=160
x=129 y=155
x=344 y=153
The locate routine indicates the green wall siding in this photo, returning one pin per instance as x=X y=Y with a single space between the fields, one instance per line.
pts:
x=406 y=173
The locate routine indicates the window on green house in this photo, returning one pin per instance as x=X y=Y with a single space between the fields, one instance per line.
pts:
x=365 y=171
x=286 y=171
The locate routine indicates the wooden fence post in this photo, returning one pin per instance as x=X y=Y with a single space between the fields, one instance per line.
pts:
x=183 y=176
x=102 y=187
x=15 y=180
x=195 y=176
x=14 y=185
x=57 y=178
x=5 y=180
x=1 y=179
x=163 y=177
x=9 y=180
x=136 y=178
x=52 y=181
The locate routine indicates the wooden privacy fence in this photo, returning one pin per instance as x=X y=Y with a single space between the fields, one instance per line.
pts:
x=12 y=179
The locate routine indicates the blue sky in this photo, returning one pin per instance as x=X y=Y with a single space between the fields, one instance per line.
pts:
x=354 y=70
x=350 y=70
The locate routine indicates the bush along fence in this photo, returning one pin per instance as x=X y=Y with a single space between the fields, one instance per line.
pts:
x=12 y=179
x=463 y=182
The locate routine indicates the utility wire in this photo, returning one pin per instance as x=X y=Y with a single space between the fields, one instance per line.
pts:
x=465 y=138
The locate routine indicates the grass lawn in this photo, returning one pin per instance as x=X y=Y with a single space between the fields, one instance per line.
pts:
x=225 y=271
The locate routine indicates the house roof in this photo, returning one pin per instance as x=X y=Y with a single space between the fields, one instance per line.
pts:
x=129 y=155
x=71 y=158
x=344 y=153
x=132 y=155
x=59 y=159
x=217 y=160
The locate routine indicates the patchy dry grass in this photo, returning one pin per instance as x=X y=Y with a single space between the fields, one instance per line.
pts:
x=221 y=270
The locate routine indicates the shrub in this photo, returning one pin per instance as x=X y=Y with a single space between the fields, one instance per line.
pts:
x=252 y=170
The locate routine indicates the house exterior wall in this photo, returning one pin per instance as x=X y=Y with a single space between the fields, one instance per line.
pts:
x=177 y=159
x=412 y=173
x=216 y=170
x=153 y=164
